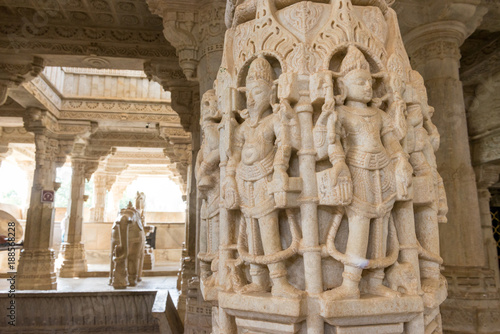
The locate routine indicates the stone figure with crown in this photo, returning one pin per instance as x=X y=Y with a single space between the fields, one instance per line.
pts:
x=208 y=182
x=365 y=149
x=257 y=179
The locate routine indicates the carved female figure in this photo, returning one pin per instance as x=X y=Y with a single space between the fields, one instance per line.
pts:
x=365 y=148
x=207 y=176
x=256 y=178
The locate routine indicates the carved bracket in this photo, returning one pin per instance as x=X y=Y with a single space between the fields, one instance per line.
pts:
x=13 y=75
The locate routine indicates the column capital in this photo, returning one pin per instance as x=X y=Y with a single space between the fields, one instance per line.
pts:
x=194 y=29
x=447 y=22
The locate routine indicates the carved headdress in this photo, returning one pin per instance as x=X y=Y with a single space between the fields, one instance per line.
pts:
x=209 y=110
x=261 y=70
x=354 y=60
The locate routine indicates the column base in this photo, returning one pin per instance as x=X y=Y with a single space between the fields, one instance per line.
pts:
x=473 y=304
x=36 y=270
x=198 y=311
x=74 y=261
x=149 y=258
x=187 y=272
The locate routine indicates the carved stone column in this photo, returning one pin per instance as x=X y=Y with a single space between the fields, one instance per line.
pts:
x=434 y=51
x=99 y=197
x=73 y=251
x=54 y=141
x=486 y=176
x=36 y=262
x=196 y=30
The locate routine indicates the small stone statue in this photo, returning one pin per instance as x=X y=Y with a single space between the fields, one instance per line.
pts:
x=208 y=182
x=257 y=179
x=127 y=249
x=365 y=149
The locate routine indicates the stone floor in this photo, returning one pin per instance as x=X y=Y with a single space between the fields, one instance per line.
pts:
x=97 y=284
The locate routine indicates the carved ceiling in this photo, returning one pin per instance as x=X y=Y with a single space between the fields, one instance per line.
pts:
x=91 y=13
x=84 y=33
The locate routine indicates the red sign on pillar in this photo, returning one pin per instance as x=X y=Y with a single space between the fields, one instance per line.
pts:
x=48 y=196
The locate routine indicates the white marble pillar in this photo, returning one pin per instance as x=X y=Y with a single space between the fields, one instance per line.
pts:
x=36 y=262
x=434 y=50
x=99 y=197
x=486 y=176
x=73 y=251
x=473 y=299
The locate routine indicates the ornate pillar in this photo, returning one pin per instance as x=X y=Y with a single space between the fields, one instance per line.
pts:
x=73 y=251
x=434 y=49
x=435 y=52
x=486 y=176
x=36 y=262
x=197 y=33
x=54 y=141
x=100 y=186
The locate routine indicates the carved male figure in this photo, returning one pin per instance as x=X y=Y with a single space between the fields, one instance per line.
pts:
x=207 y=177
x=365 y=148
x=421 y=143
x=259 y=158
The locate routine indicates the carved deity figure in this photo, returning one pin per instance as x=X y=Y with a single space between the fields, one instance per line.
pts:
x=365 y=148
x=257 y=179
x=208 y=177
x=127 y=249
x=430 y=207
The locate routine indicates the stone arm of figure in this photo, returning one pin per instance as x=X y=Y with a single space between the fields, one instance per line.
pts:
x=340 y=171
x=397 y=111
x=230 y=194
x=281 y=162
x=433 y=134
x=207 y=163
x=403 y=168
x=197 y=166
x=290 y=119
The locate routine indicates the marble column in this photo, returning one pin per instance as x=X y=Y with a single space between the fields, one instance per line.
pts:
x=473 y=303
x=99 y=197
x=36 y=262
x=486 y=176
x=73 y=250
x=434 y=50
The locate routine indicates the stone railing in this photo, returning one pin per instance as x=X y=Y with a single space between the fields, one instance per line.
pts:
x=92 y=312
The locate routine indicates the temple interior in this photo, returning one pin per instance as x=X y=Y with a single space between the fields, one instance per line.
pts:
x=147 y=186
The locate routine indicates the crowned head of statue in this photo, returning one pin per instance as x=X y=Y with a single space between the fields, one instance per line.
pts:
x=259 y=88
x=210 y=112
x=355 y=77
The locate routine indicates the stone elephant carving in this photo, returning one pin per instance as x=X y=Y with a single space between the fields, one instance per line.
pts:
x=127 y=249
